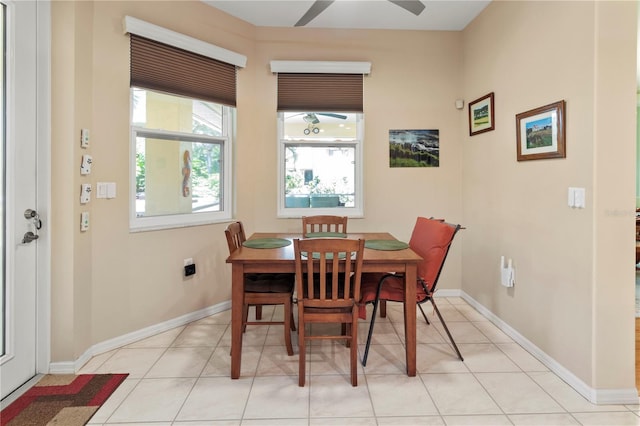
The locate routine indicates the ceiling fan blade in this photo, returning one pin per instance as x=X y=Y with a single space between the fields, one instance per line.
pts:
x=315 y=10
x=329 y=114
x=414 y=6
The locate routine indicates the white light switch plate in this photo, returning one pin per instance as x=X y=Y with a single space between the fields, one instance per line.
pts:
x=101 y=191
x=579 y=198
x=576 y=198
x=111 y=190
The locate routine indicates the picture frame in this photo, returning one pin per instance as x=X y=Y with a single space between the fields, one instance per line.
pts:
x=481 y=115
x=540 y=132
x=414 y=148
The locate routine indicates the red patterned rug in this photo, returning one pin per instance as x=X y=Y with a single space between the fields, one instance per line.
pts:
x=61 y=399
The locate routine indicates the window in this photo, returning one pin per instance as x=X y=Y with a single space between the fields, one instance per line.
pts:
x=181 y=149
x=183 y=97
x=320 y=157
x=320 y=133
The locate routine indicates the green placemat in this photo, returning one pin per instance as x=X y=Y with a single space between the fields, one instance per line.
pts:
x=385 y=244
x=265 y=243
x=326 y=235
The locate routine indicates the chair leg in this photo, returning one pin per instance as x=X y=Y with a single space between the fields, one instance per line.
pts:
x=245 y=314
x=301 y=352
x=435 y=307
x=287 y=328
x=354 y=348
x=373 y=321
x=383 y=309
x=345 y=332
x=376 y=302
x=292 y=320
x=423 y=314
x=245 y=317
x=258 y=312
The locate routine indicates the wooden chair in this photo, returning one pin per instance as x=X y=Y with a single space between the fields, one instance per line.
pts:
x=323 y=225
x=431 y=239
x=264 y=289
x=326 y=296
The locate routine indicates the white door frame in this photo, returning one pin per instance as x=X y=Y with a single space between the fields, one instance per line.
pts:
x=43 y=277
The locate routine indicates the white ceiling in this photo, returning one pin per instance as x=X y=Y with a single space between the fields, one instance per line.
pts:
x=443 y=15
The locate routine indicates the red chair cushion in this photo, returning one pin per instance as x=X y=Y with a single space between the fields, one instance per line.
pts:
x=430 y=239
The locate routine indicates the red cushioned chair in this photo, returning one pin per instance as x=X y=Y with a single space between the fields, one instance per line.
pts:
x=431 y=239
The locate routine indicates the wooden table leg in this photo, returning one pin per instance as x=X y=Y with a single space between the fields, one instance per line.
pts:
x=410 y=317
x=237 y=300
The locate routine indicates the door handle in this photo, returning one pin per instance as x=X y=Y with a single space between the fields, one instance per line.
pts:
x=28 y=237
x=31 y=214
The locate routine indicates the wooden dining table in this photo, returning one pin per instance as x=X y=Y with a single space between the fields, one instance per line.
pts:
x=259 y=260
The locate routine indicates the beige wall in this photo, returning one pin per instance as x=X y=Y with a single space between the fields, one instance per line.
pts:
x=574 y=292
x=614 y=130
x=109 y=282
x=115 y=282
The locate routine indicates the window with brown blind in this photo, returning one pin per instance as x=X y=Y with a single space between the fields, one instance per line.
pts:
x=319 y=92
x=320 y=149
x=158 y=66
x=183 y=103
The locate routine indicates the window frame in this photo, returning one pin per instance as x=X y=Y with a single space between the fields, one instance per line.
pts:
x=152 y=223
x=157 y=33
x=354 y=212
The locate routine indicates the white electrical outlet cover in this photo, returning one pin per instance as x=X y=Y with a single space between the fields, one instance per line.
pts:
x=85 y=167
x=84 y=221
x=85 y=193
x=84 y=138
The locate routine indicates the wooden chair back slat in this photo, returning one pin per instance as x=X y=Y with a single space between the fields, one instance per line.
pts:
x=323 y=223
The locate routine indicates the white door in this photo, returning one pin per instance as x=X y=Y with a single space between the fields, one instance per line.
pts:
x=18 y=190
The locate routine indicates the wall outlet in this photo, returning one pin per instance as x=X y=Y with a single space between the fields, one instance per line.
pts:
x=85 y=193
x=189 y=270
x=84 y=221
x=84 y=138
x=85 y=166
x=507 y=273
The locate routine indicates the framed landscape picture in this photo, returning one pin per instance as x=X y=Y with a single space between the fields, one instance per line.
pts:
x=414 y=148
x=481 y=116
x=540 y=132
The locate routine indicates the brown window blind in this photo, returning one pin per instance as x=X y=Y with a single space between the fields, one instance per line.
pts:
x=158 y=66
x=319 y=92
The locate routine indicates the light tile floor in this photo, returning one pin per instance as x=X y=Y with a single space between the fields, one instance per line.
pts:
x=181 y=377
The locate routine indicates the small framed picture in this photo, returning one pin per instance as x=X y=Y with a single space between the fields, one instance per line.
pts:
x=540 y=132
x=481 y=117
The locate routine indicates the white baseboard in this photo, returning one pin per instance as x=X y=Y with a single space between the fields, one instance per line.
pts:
x=71 y=367
x=595 y=396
